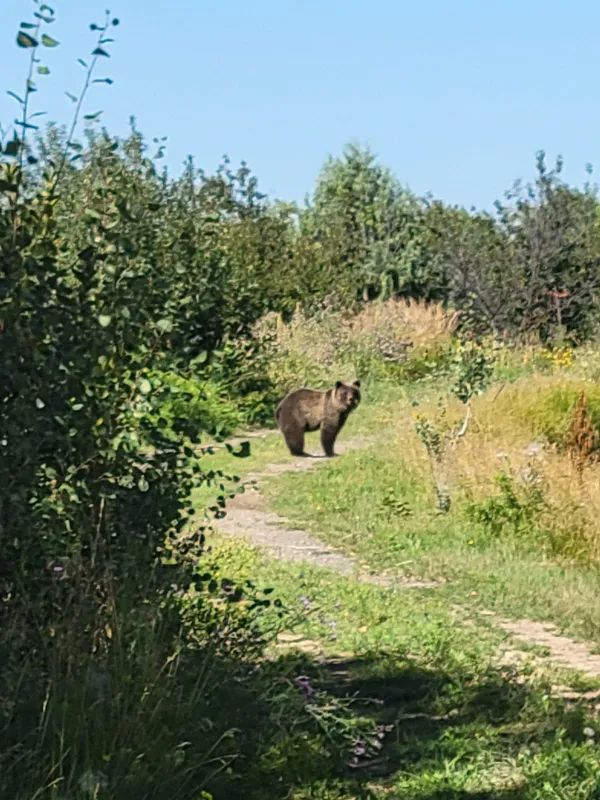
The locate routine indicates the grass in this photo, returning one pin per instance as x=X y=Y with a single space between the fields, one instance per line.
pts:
x=379 y=505
x=395 y=339
x=458 y=723
x=348 y=504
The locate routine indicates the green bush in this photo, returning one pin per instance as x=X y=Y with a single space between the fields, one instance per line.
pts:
x=193 y=406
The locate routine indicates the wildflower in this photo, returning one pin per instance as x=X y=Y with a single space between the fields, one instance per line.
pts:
x=304 y=684
x=306 y=603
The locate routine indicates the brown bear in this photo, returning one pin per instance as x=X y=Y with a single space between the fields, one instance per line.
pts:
x=306 y=410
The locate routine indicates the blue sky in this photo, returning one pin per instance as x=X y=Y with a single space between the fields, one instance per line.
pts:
x=455 y=97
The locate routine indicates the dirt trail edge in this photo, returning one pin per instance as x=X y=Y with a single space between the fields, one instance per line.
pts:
x=248 y=516
x=563 y=652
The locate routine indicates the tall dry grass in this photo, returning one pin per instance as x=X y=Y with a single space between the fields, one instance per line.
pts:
x=525 y=431
x=391 y=339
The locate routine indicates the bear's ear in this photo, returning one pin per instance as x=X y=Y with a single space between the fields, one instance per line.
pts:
x=357 y=384
x=338 y=384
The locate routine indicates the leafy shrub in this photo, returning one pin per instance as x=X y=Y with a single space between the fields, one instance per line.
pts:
x=473 y=369
x=194 y=406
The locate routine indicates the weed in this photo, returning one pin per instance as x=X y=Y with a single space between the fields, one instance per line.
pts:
x=583 y=435
x=511 y=512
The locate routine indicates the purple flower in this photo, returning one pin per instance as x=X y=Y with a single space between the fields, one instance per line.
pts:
x=303 y=683
x=57 y=568
x=306 y=603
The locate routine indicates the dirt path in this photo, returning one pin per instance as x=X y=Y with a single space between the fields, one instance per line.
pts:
x=249 y=517
x=563 y=651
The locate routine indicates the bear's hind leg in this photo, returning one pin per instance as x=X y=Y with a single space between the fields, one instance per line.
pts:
x=294 y=438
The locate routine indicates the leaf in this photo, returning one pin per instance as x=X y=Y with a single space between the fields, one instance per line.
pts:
x=43 y=71
x=243 y=452
x=125 y=313
x=145 y=386
x=103 y=80
x=100 y=52
x=71 y=97
x=77 y=406
x=75 y=146
x=16 y=97
x=143 y=485
x=47 y=8
x=104 y=320
x=106 y=41
x=32 y=160
x=82 y=62
x=38 y=114
x=26 y=125
x=12 y=148
x=40 y=403
x=25 y=40
x=48 y=41
x=165 y=325
x=115 y=21
x=92 y=116
x=28 y=25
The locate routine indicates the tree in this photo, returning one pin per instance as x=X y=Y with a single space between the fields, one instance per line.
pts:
x=368 y=228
